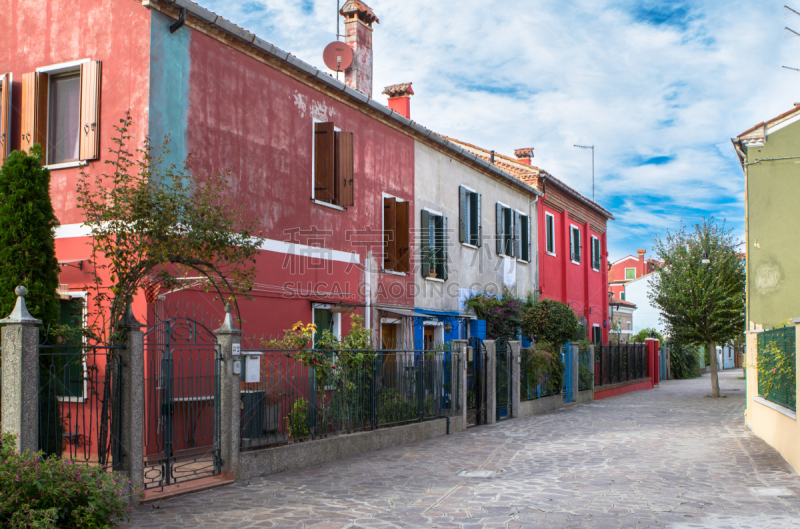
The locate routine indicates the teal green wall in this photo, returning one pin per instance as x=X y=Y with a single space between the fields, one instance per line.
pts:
x=773 y=210
x=169 y=87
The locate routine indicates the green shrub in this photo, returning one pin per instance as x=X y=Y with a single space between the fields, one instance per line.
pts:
x=585 y=376
x=541 y=364
x=683 y=360
x=552 y=322
x=644 y=334
x=298 y=419
x=502 y=314
x=42 y=492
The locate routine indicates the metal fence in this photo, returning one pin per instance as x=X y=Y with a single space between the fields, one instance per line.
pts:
x=585 y=373
x=534 y=384
x=616 y=363
x=777 y=374
x=79 y=403
x=312 y=394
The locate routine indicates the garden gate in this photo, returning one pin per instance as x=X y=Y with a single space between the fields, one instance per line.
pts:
x=503 y=378
x=567 y=356
x=476 y=382
x=182 y=389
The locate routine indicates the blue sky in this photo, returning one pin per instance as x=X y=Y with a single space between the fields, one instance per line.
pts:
x=659 y=87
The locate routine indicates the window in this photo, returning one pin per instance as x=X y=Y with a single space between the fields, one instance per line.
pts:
x=550 y=233
x=324 y=319
x=71 y=364
x=622 y=296
x=596 y=260
x=395 y=235
x=470 y=226
x=60 y=111
x=629 y=325
x=434 y=242
x=575 y=245
x=5 y=116
x=505 y=231
x=597 y=335
x=333 y=165
x=522 y=236
x=630 y=273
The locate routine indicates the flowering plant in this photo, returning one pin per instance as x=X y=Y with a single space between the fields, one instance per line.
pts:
x=42 y=492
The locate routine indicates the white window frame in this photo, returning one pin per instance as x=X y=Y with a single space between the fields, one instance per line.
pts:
x=506 y=206
x=337 y=319
x=599 y=249
x=467 y=219
x=314 y=121
x=85 y=296
x=572 y=228
x=55 y=69
x=383 y=230
x=634 y=273
x=546 y=234
x=521 y=242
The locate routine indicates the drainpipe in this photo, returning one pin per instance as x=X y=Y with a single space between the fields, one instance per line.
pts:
x=535 y=247
x=368 y=293
x=180 y=22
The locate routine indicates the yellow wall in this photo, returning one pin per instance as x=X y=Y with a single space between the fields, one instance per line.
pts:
x=779 y=431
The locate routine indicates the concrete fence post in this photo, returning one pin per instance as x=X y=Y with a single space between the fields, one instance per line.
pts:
x=491 y=381
x=459 y=377
x=576 y=368
x=229 y=338
x=515 y=378
x=132 y=405
x=591 y=364
x=20 y=405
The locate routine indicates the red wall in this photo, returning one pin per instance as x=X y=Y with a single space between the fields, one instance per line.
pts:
x=578 y=285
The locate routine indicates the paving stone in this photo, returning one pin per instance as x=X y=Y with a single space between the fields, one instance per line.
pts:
x=668 y=457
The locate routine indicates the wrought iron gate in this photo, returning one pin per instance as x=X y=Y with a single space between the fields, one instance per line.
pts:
x=503 y=378
x=182 y=388
x=476 y=382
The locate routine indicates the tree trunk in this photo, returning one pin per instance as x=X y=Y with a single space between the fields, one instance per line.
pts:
x=712 y=356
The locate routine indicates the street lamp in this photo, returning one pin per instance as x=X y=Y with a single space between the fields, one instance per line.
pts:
x=592 y=148
x=705 y=259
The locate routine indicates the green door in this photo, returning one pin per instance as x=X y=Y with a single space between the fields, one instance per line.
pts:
x=70 y=366
x=323 y=319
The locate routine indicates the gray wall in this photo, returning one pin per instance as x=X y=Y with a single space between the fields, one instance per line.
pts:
x=437 y=181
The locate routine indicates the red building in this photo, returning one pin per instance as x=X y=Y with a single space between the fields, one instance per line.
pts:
x=625 y=270
x=571 y=241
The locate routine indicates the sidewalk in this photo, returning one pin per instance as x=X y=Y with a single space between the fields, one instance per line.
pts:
x=668 y=457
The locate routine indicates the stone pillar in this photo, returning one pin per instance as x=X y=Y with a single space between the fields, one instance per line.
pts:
x=20 y=338
x=491 y=381
x=459 y=377
x=229 y=338
x=576 y=371
x=515 y=377
x=132 y=405
x=591 y=364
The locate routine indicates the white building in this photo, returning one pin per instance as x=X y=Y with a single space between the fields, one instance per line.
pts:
x=645 y=315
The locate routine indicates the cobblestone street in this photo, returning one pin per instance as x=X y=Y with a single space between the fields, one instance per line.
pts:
x=669 y=457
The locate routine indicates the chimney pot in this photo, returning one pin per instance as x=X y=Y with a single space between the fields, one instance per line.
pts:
x=400 y=98
x=524 y=155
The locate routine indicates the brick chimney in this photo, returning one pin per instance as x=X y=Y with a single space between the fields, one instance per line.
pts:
x=358 y=19
x=642 y=270
x=524 y=155
x=400 y=98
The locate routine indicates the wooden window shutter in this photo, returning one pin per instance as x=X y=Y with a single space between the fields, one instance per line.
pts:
x=389 y=233
x=5 y=117
x=517 y=234
x=90 y=111
x=530 y=239
x=462 y=214
x=509 y=231
x=441 y=262
x=499 y=229
x=402 y=231
x=34 y=111
x=479 y=235
x=344 y=168
x=425 y=243
x=324 y=146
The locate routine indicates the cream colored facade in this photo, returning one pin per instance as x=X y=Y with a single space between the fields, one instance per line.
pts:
x=775 y=424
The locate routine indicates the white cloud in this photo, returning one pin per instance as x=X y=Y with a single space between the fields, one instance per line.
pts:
x=638 y=79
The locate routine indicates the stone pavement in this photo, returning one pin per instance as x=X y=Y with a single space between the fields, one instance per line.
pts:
x=669 y=457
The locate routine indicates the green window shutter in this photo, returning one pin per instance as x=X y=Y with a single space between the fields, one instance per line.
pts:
x=499 y=229
x=462 y=214
x=517 y=235
x=622 y=296
x=441 y=264
x=425 y=243
x=479 y=232
x=551 y=234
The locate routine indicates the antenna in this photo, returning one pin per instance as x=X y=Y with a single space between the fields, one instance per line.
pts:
x=792 y=32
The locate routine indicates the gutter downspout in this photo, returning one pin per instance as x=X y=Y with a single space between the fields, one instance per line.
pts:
x=535 y=247
x=368 y=293
x=178 y=24
x=743 y=160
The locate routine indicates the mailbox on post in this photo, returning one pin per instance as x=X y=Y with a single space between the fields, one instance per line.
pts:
x=252 y=366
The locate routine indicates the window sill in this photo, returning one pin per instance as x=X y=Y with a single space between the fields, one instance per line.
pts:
x=777 y=407
x=576 y=263
x=65 y=165
x=327 y=205
x=523 y=261
x=468 y=245
x=434 y=279
x=595 y=269
x=553 y=254
x=393 y=273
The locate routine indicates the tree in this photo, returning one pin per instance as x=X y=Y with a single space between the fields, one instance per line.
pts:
x=551 y=321
x=701 y=303
x=153 y=223
x=646 y=333
x=27 y=237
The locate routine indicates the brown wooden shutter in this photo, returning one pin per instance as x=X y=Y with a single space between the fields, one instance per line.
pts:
x=5 y=117
x=344 y=168
x=34 y=111
x=323 y=161
x=389 y=233
x=402 y=231
x=90 y=111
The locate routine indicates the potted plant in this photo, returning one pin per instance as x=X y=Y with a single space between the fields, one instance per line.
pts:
x=432 y=264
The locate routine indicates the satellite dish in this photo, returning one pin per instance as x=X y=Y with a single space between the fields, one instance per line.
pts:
x=338 y=56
